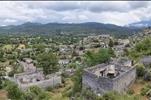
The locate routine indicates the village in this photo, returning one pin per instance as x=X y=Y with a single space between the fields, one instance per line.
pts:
x=105 y=63
x=75 y=50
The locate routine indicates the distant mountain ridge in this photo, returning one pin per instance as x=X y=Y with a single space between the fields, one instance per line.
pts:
x=141 y=24
x=69 y=28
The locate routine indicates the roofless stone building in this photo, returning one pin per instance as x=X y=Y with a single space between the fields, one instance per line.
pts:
x=33 y=76
x=115 y=76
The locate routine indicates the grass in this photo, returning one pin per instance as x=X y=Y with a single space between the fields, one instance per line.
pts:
x=57 y=94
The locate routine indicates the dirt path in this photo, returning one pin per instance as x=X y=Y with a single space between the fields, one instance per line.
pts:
x=137 y=86
x=3 y=95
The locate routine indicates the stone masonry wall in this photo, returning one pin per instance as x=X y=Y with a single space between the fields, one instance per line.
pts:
x=43 y=84
x=102 y=85
x=93 y=82
x=122 y=82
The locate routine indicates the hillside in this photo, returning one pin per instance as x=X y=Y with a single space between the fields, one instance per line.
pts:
x=141 y=24
x=66 y=28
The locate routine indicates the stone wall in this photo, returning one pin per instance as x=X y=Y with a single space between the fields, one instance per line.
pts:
x=42 y=84
x=122 y=82
x=102 y=85
x=90 y=81
x=96 y=84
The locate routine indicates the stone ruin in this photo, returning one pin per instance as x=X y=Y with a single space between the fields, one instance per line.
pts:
x=27 y=65
x=114 y=76
x=33 y=76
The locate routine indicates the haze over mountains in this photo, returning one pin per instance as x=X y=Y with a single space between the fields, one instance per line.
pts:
x=68 y=28
x=141 y=24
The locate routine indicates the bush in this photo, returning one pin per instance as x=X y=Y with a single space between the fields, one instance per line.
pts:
x=3 y=59
x=35 y=89
x=11 y=74
x=89 y=95
x=149 y=93
x=1 y=83
x=145 y=89
x=36 y=93
x=147 y=76
x=130 y=92
x=14 y=92
x=29 y=96
x=43 y=96
x=49 y=88
x=110 y=96
x=140 y=71
x=1 y=79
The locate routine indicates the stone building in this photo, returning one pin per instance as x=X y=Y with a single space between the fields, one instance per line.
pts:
x=25 y=80
x=103 y=78
x=33 y=76
x=122 y=45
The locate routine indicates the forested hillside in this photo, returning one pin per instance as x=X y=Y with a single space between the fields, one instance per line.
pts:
x=67 y=29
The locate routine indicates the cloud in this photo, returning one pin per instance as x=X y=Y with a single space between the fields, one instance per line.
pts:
x=136 y=4
x=114 y=12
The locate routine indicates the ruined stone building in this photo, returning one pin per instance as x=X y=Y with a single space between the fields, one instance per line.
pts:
x=33 y=76
x=114 y=76
x=122 y=45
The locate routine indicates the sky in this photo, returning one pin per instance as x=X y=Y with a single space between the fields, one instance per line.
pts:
x=112 y=12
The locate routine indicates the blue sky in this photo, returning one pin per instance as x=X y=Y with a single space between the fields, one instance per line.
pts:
x=114 y=12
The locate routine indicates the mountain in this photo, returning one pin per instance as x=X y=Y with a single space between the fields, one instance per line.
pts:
x=141 y=24
x=68 y=28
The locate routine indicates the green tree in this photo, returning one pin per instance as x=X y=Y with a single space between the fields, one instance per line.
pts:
x=93 y=58
x=111 y=43
x=48 y=61
x=141 y=48
x=39 y=47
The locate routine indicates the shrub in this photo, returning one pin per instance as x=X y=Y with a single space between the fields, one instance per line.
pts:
x=49 y=88
x=67 y=93
x=14 y=92
x=130 y=91
x=140 y=70
x=29 y=96
x=147 y=76
x=36 y=93
x=145 y=89
x=110 y=96
x=11 y=74
x=35 y=89
x=43 y=96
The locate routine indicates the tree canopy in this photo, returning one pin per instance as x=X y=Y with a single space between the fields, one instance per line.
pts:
x=140 y=49
x=48 y=61
x=93 y=58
